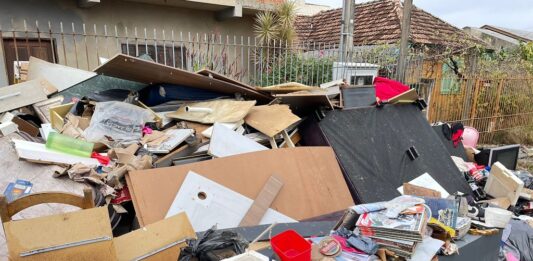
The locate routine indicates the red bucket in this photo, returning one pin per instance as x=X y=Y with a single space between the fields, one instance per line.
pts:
x=289 y=245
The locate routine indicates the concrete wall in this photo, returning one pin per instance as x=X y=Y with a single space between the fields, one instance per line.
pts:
x=122 y=14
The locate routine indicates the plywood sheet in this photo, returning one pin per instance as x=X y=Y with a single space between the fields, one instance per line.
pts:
x=218 y=76
x=30 y=234
x=208 y=203
x=226 y=142
x=154 y=237
x=62 y=77
x=139 y=70
x=313 y=182
x=22 y=94
x=222 y=111
x=302 y=101
x=271 y=119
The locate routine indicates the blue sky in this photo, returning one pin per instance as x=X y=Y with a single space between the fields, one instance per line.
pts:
x=515 y=14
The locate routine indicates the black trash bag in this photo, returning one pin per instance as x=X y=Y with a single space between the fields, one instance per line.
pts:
x=212 y=244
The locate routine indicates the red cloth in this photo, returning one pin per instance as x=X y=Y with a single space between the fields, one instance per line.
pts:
x=104 y=160
x=387 y=88
x=457 y=137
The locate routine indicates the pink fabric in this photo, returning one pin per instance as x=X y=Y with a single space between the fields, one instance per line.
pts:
x=387 y=88
x=147 y=130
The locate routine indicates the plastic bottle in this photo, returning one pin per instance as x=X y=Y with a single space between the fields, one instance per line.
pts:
x=69 y=145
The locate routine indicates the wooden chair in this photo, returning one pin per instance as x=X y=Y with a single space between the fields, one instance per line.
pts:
x=7 y=210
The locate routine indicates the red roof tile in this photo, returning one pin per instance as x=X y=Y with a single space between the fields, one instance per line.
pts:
x=379 y=22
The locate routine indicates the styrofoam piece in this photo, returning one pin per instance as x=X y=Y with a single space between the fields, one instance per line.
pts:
x=225 y=142
x=503 y=183
x=45 y=129
x=208 y=203
x=248 y=256
x=8 y=128
x=497 y=217
x=230 y=125
x=37 y=152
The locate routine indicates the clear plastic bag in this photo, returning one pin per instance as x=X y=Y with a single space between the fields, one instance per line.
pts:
x=123 y=122
x=401 y=203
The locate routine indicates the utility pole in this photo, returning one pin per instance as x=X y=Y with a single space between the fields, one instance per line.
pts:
x=347 y=27
x=404 y=42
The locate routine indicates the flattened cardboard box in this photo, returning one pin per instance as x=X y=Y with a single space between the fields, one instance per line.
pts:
x=58 y=230
x=313 y=182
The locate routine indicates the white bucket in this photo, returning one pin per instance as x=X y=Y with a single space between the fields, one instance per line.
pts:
x=497 y=217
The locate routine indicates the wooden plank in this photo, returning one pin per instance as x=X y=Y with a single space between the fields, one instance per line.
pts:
x=55 y=230
x=139 y=70
x=405 y=97
x=271 y=119
x=222 y=111
x=22 y=94
x=262 y=202
x=410 y=189
x=208 y=203
x=313 y=182
x=26 y=126
x=226 y=142
x=218 y=76
x=60 y=76
x=154 y=237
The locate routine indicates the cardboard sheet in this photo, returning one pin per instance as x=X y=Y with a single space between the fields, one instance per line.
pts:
x=271 y=119
x=23 y=94
x=62 y=77
x=208 y=203
x=139 y=70
x=30 y=234
x=154 y=237
x=222 y=111
x=288 y=87
x=226 y=142
x=313 y=182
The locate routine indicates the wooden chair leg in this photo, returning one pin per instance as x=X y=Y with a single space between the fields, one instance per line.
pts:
x=4 y=215
x=273 y=143
x=287 y=139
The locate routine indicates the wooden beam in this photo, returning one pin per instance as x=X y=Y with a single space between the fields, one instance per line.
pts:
x=404 y=41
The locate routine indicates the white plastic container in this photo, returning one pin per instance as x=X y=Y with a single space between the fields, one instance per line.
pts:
x=497 y=217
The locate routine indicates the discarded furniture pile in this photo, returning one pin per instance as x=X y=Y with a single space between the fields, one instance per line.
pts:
x=198 y=166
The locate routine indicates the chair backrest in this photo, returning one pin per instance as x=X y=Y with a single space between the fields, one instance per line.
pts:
x=7 y=210
x=470 y=137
